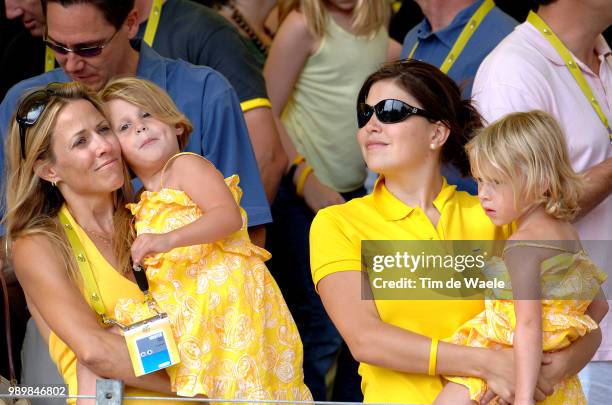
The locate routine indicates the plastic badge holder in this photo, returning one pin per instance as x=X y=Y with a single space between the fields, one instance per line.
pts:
x=151 y=345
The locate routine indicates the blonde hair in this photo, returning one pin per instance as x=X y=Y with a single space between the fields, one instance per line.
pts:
x=151 y=98
x=368 y=15
x=528 y=149
x=32 y=204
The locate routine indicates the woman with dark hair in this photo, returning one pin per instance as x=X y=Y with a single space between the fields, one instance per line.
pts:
x=411 y=120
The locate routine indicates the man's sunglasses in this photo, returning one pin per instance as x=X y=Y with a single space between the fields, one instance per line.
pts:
x=388 y=111
x=83 y=51
x=31 y=108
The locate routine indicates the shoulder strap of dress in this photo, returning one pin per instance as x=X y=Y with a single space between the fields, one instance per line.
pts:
x=537 y=245
x=161 y=179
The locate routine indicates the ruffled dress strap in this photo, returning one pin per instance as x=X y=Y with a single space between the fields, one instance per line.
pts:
x=161 y=178
x=539 y=245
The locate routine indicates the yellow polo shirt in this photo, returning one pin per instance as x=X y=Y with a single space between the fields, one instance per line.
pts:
x=335 y=245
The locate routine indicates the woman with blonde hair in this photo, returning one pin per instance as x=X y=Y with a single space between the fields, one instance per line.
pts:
x=322 y=51
x=65 y=179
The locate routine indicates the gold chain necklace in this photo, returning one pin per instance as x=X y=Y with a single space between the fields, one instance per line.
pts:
x=108 y=241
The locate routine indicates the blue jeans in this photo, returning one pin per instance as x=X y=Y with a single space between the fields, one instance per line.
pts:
x=287 y=240
x=596 y=380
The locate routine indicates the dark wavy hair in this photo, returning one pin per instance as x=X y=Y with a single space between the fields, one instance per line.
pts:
x=115 y=11
x=440 y=96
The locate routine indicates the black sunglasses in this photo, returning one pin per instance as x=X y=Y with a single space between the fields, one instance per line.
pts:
x=31 y=108
x=388 y=111
x=84 y=51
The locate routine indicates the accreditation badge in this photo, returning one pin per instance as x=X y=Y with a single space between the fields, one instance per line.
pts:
x=151 y=345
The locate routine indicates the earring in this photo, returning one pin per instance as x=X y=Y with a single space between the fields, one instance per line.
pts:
x=432 y=146
x=54 y=183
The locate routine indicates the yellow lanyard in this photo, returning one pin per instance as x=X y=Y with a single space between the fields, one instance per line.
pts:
x=49 y=59
x=153 y=22
x=571 y=64
x=464 y=37
x=91 y=287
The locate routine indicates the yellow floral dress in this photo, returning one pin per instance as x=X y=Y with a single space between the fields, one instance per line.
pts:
x=235 y=334
x=564 y=278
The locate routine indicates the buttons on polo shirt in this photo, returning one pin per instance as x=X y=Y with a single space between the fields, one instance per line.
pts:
x=426 y=227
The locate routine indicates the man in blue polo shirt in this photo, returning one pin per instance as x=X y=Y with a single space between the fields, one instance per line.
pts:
x=442 y=26
x=201 y=93
x=479 y=26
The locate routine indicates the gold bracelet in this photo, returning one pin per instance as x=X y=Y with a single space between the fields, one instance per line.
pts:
x=299 y=188
x=433 y=356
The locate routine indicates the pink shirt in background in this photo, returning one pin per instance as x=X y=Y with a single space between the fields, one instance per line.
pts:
x=525 y=72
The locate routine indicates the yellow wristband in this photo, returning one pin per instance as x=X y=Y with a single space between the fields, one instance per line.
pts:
x=298 y=159
x=433 y=356
x=299 y=188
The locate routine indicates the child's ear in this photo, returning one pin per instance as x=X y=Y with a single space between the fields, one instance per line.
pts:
x=179 y=129
x=46 y=171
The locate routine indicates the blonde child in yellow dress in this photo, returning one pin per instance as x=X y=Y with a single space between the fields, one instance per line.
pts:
x=235 y=335
x=524 y=176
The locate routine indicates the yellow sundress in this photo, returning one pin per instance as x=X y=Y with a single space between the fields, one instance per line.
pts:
x=235 y=335
x=564 y=277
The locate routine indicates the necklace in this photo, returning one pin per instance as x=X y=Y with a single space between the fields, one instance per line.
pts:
x=238 y=18
x=108 y=241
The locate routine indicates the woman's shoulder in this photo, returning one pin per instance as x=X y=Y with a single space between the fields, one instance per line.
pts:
x=296 y=26
x=296 y=18
x=28 y=244
x=356 y=206
x=31 y=253
x=355 y=215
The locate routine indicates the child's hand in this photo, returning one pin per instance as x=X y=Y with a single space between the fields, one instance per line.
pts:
x=149 y=244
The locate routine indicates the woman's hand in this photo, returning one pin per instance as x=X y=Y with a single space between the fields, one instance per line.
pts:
x=502 y=363
x=317 y=195
x=552 y=370
x=149 y=244
x=499 y=375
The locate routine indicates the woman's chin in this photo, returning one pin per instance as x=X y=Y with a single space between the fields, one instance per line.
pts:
x=378 y=166
x=114 y=182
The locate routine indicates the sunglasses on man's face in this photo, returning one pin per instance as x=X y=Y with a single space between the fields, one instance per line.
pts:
x=83 y=51
x=30 y=110
x=389 y=111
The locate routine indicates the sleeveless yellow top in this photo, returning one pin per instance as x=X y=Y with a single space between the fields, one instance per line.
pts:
x=112 y=286
x=235 y=335
x=569 y=282
x=320 y=115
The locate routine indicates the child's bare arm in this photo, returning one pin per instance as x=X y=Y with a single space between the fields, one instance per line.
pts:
x=524 y=266
x=206 y=187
